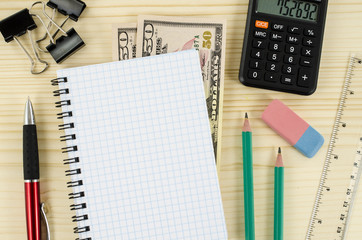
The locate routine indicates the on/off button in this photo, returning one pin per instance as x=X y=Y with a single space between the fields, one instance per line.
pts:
x=261 y=24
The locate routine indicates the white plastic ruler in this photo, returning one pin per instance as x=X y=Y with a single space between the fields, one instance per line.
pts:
x=342 y=168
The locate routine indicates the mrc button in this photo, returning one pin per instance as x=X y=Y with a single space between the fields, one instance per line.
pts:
x=260 y=34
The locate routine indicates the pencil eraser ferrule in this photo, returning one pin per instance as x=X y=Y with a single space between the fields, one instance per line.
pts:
x=292 y=128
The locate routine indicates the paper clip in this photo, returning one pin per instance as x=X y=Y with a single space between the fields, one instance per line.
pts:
x=16 y=25
x=65 y=45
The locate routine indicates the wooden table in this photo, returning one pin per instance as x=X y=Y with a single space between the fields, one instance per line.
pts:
x=343 y=35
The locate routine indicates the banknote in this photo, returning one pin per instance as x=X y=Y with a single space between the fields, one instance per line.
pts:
x=124 y=41
x=158 y=35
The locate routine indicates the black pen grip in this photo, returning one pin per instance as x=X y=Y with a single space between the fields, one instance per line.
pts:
x=30 y=152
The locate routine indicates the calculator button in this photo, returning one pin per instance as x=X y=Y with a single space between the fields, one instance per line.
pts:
x=272 y=67
x=261 y=24
x=306 y=62
x=275 y=57
x=271 y=77
x=309 y=42
x=278 y=27
x=304 y=78
x=255 y=64
x=295 y=30
x=259 y=44
x=293 y=39
x=290 y=59
x=253 y=74
x=276 y=37
x=307 y=52
x=310 y=32
x=260 y=34
x=258 y=54
x=289 y=80
x=292 y=49
x=287 y=69
x=274 y=46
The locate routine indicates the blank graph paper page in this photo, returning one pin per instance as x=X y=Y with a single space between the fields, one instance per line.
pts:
x=146 y=160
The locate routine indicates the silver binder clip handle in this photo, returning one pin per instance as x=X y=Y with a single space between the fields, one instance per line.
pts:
x=49 y=18
x=42 y=210
x=41 y=20
x=46 y=34
x=29 y=57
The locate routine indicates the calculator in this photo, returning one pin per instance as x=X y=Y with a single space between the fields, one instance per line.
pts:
x=283 y=44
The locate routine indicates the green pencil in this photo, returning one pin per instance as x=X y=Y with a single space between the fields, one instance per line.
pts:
x=248 y=180
x=278 y=197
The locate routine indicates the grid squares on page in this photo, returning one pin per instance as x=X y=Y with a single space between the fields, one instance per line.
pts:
x=145 y=148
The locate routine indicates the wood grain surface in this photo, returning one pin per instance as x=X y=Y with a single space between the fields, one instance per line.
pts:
x=343 y=35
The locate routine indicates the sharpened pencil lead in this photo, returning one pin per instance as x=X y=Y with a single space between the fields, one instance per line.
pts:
x=279 y=161
x=246 y=127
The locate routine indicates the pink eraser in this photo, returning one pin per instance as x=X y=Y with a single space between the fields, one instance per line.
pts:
x=292 y=128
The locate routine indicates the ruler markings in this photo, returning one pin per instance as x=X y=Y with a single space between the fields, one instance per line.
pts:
x=331 y=156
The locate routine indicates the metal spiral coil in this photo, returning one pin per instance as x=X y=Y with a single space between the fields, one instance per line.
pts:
x=65 y=126
x=56 y=81
x=67 y=137
x=76 y=195
x=62 y=103
x=80 y=218
x=81 y=230
x=72 y=160
x=79 y=206
x=64 y=114
x=72 y=184
x=72 y=172
x=69 y=149
x=59 y=92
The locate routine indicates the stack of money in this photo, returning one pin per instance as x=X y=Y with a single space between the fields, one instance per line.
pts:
x=159 y=35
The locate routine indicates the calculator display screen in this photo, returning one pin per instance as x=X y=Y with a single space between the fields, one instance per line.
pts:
x=297 y=9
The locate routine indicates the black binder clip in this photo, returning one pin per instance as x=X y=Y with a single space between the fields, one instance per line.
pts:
x=17 y=25
x=65 y=45
x=71 y=8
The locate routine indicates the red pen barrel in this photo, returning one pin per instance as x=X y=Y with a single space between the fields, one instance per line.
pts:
x=32 y=208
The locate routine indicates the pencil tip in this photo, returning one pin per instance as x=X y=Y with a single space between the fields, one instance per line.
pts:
x=246 y=127
x=279 y=162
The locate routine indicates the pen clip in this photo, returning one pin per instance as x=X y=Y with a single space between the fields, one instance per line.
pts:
x=42 y=210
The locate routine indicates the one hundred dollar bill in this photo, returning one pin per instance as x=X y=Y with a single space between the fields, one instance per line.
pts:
x=124 y=41
x=158 y=35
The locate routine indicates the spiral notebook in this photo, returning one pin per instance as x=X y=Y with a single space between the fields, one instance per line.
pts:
x=140 y=151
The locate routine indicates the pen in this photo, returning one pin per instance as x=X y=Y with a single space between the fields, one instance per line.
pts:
x=31 y=173
x=248 y=180
x=278 y=197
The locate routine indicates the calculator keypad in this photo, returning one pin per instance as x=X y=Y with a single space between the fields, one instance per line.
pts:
x=283 y=55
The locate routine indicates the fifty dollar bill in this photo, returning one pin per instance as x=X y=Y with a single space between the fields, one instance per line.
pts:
x=124 y=41
x=158 y=35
